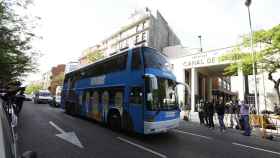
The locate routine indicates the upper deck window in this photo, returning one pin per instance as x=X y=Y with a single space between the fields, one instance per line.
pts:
x=136 y=59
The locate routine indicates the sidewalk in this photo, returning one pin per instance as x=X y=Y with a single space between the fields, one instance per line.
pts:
x=195 y=126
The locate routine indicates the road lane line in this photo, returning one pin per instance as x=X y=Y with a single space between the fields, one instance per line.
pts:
x=197 y=135
x=142 y=147
x=260 y=149
x=56 y=127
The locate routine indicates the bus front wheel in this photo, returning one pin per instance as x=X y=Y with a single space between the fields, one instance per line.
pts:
x=114 y=121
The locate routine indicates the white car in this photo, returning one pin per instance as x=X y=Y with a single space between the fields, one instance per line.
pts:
x=42 y=96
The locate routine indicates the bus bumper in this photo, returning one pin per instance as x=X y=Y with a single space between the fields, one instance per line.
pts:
x=160 y=126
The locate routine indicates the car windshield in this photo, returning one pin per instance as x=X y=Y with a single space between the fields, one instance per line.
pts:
x=163 y=98
x=154 y=59
x=44 y=94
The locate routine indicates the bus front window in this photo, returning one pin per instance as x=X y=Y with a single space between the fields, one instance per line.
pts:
x=153 y=59
x=163 y=98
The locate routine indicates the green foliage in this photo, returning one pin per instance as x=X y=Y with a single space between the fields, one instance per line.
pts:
x=267 y=57
x=16 y=55
x=33 y=88
x=59 y=79
x=95 y=55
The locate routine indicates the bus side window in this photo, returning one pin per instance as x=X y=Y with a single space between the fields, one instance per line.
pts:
x=118 y=99
x=87 y=100
x=136 y=59
x=95 y=101
x=105 y=100
x=136 y=95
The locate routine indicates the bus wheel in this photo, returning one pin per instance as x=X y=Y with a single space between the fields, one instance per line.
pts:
x=114 y=121
x=67 y=110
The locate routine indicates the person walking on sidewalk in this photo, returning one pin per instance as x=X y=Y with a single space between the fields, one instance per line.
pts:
x=205 y=113
x=220 y=109
x=210 y=114
x=200 y=111
x=244 y=112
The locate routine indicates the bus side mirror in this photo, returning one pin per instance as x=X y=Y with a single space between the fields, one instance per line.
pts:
x=152 y=79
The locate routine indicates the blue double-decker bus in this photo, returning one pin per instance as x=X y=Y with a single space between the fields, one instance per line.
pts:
x=133 y=90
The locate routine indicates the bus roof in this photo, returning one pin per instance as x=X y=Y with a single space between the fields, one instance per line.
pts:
x=106 y=58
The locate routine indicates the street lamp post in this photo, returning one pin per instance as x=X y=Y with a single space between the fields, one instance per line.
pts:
x=248 y=3
x=200 y=43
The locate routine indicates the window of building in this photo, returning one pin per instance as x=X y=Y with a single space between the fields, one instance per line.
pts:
x=121 y=44
x=137 y=39
x=136 y=95
x=144 y=36
x=144 y=25
x=137 y=28
x=126 y=43
x=136 y=59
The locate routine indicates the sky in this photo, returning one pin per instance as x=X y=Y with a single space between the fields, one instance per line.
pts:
x=68 y=27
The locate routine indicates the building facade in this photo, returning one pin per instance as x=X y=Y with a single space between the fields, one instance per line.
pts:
x=204 y=73
x=57 y=76
x=46 y=81
x=71 y=66
x=142 y=28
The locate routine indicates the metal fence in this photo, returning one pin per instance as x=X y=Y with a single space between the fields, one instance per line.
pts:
x=268 y=125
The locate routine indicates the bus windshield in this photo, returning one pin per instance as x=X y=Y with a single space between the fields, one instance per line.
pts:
x=163 y=98
x=153 y=59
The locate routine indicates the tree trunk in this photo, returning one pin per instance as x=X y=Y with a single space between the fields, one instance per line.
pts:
x=276 y=85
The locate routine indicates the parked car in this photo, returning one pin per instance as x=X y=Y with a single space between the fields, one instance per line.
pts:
x=42 y=96
x=28 y=97
x=57 y=98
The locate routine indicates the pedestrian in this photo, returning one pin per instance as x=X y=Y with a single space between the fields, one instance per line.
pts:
x=220 y=109
x=200 y=112
x=244 y=112
x=205 y=113
x=230 y=114
x=210 y=110
x=236 y=115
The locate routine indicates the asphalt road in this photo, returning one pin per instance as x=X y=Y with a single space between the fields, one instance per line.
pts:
x=39 y=125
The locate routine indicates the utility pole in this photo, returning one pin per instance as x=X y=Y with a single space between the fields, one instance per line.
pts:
x=248 y=3
x=200 y=43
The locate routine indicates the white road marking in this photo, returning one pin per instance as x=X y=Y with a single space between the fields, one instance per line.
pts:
x=70 y=137
x=142 y=147
x=260 y=149
x=56 y=127
x=197 y=135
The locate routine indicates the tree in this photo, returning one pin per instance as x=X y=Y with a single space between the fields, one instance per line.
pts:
x=95 y=55
x=59 y=79
x=16 y=54
x=267 y=57
x=56 y=81
x=33 y=88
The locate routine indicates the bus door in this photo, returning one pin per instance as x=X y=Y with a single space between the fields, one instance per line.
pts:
x=136 y=109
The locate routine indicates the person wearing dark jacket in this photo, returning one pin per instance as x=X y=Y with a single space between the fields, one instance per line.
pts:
x=205 y=112
x=220 y=109
x=210 y=113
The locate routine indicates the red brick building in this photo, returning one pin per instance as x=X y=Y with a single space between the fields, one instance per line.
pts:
x=57 y=76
